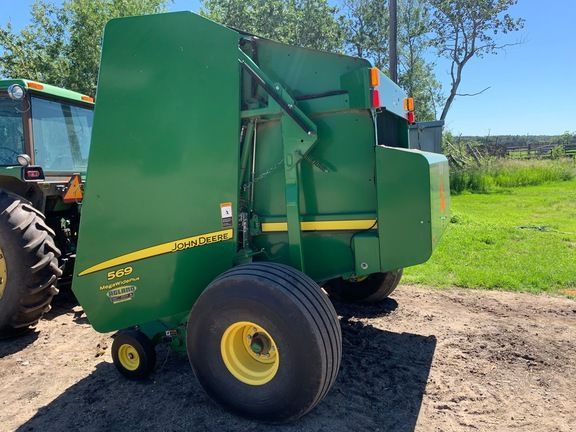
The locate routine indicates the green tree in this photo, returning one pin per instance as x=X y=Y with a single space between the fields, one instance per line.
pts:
x=416 y=74
x=365 y=24
x=366 y=29
x=465 y=29
x=62 y=44
x=307 y=23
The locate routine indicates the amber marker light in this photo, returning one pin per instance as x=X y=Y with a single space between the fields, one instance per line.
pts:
x=35 y=85
x=374 y=77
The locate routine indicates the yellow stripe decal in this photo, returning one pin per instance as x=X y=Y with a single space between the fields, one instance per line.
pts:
x=164 y=248
x=339 y=225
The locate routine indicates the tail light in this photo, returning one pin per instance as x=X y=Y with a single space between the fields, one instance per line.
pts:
x=375 y=98
x=410 y=117
x=32 y=173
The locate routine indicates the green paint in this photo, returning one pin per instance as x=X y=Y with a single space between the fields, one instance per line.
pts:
x=167 y=151
x=366 y=247
x=410 y=218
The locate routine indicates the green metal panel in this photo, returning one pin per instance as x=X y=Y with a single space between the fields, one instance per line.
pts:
x=304 y=71
x=440 y=193
x=187 y=121
x=47 y=90
x=413 y=204
x=366 y=247
x=164 y=157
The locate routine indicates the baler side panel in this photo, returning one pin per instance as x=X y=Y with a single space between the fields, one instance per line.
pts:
x=411 y=217
x=345 y=190
x=164 y=157
x=305 y=71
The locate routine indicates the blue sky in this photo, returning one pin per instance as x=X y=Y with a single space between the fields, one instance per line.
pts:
x=532 y=85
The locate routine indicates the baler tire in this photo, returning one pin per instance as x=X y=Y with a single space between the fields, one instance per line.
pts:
x=133 y=354
x=30 y=258
x=375 y=288
x=282 y=305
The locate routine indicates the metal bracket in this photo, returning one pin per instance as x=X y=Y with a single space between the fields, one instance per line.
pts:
x=299 y=134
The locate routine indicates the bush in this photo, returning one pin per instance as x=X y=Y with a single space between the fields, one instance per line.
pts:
x=506 y=173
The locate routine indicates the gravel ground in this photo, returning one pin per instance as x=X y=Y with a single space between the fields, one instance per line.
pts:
x=424 y=360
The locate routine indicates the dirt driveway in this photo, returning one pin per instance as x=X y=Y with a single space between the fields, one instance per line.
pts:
x=425 y=360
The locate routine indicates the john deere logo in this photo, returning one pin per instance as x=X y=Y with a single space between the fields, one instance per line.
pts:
x=121 y=295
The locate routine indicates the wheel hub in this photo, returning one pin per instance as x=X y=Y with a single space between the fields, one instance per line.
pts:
x=128 y=357
x=249 y=353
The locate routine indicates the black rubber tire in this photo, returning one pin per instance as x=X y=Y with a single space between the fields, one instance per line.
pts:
x=299 y=317
x=31 y=258
x=146 y=352
x=376 y=287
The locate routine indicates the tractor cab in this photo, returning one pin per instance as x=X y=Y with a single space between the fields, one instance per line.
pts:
x=44 y=131
x=45 y=136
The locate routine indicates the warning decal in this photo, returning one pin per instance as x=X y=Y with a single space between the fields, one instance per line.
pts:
x=226 y=214
x=73 y=190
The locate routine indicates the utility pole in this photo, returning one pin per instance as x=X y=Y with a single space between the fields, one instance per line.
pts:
x=392 y=40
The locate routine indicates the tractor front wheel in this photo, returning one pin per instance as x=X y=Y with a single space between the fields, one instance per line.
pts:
x=265 y=342
x=28 y=265
x=373 y=288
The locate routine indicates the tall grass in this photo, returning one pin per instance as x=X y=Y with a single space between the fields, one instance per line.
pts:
x=506 y=173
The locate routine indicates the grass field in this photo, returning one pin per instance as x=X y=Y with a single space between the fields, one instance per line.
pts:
x=497 y=174
x=521 y=239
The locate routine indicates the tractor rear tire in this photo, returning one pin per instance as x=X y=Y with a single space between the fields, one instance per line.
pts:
x=28 y=265
x=265 y=342
x=374 y=288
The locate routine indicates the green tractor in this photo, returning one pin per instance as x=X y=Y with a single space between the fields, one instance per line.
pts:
x=44 y=141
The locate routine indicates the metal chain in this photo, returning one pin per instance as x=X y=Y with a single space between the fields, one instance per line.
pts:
x=263 y=175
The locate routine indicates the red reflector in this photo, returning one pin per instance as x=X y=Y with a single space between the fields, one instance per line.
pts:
x=410 y=117
x=33 y=173
x=375 y=99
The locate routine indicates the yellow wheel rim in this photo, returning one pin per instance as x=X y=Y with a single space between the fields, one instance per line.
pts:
x=128 y=357
x=3 y=273
x=250 y=353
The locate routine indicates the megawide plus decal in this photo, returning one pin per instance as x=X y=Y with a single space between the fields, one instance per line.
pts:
x=164 y=248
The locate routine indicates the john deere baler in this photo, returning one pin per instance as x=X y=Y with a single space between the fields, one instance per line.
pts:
x=229 y=177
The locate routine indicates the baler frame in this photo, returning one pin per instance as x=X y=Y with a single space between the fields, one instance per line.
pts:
x=298 y=137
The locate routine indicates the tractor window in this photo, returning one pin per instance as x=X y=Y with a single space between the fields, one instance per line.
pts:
x=61 y=135
x=11 y=131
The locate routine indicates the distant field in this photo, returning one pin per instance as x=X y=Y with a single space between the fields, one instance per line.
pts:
x=493 y=175
x=521 y=239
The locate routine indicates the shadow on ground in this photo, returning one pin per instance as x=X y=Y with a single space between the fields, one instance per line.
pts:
x=17 y=343
x=379 y=388
x=65 y=302
x=365 y=310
